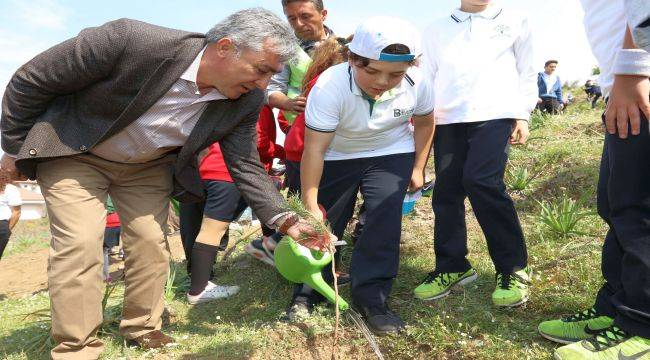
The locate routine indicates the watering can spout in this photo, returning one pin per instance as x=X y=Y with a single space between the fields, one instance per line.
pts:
x=299 y=264
x=316 y=282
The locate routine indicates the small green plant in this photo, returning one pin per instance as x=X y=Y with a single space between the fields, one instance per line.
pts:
x=170 y=285
x=518 y=178
x=562 y=217
x=294 y=204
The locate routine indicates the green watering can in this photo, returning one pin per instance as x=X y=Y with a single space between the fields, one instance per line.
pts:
x=301 y=265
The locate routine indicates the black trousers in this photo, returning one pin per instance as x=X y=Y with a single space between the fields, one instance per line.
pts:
x=5 y=233
x=624 y=203
x=292 y=177
x=383 y=182
x=550 y=105
x=470 y=161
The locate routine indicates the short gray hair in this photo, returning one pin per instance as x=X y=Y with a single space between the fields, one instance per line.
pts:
x=318 y=4
x=250 y=28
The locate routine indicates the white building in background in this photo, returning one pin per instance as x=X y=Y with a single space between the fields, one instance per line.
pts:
x=33 y=201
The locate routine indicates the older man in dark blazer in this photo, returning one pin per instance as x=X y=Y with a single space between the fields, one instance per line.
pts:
x=123 y=109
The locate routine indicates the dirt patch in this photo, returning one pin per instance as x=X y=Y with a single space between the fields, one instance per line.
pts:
x=26 y=273
x=23 y=274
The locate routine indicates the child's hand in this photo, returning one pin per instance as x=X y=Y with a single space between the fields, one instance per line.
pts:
x=629 y=97
x=417 y=180
x=520 y=133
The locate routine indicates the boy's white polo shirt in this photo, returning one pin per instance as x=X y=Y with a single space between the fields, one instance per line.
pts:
x=363 y=128
x=481 y=66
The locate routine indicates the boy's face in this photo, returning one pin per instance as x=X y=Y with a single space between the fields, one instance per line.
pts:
x=379 y=76
x=550 y=68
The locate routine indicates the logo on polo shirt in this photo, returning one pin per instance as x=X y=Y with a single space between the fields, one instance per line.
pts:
x=501 y=31
x=402 y=112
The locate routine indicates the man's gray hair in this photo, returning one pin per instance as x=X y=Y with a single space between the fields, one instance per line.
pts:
x=250 y=28
x=318 y=4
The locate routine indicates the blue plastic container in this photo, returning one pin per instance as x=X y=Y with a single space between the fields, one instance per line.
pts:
x=409 y=202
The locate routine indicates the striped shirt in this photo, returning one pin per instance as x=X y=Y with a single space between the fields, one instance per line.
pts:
x=165 y=126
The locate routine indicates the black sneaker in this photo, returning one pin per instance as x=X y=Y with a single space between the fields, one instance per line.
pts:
x=381 y=320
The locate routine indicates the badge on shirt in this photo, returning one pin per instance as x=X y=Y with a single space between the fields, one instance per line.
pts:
x=501 y=31
x=402 y=112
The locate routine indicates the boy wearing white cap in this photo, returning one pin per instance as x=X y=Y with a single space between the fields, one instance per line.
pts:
x=480 y=61
x=357 y=138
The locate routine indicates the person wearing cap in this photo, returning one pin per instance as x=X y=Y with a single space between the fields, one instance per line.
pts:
x=357 y=138
x=306 y=18
x=479 y=59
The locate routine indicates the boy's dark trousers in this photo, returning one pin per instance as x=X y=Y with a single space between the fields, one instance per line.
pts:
x=383 y=182
x=624 y=203
x=470 y=161
x=550 y=105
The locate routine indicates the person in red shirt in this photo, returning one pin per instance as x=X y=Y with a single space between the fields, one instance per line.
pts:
x=111 y=235
x=204 y=226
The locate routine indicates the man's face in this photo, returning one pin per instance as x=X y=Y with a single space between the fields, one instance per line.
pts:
x=550 y=68
x=306 y=20
x=236 y=74
x=379 y=76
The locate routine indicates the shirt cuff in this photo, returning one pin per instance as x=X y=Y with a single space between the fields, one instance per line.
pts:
x=278 y=219
x=632 y=62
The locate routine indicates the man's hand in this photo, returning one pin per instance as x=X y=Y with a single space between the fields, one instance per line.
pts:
x=307 y=236
x=417 y=180
x=8 y=165
x=296 y=105
x=539 y=100
x=629 y=97
x=520 y=133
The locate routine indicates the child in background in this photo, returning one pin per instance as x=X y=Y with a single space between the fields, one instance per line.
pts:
x=111 y=236
x=10 y=204
x=204 y=226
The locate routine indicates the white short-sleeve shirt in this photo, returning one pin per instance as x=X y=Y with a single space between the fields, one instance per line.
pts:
x=481 y=66
x=9 y=198
x=363 y=127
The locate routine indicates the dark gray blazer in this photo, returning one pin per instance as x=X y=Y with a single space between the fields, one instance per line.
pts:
x=86 y=89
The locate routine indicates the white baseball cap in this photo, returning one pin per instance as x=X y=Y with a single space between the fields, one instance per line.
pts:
x=375 y=34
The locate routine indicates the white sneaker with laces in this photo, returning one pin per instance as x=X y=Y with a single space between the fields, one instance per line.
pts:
x=211 y=292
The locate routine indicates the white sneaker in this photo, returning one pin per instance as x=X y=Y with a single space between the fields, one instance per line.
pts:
x=212 y=292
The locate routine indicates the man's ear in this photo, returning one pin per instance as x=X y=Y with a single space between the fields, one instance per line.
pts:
x=224 y=47
x=324 y=14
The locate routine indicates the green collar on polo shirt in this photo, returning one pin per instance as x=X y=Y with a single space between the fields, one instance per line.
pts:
x=491 y=13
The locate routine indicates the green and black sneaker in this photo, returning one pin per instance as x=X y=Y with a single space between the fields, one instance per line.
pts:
x=570 y=329
x=438 y=285
x=611 y=343
x=512 y=289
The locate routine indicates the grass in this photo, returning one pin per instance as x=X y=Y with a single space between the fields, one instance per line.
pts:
x=462 y=326
x=28 y=236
